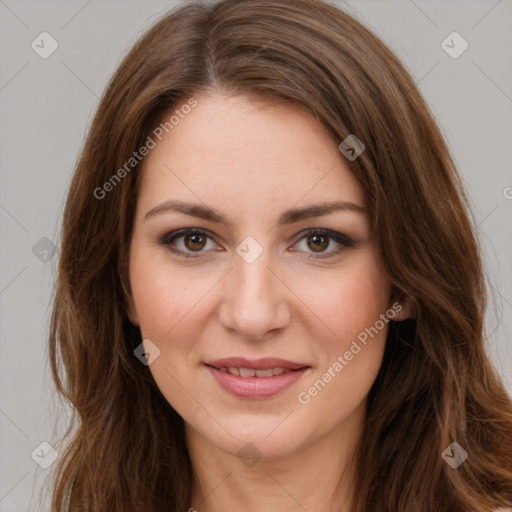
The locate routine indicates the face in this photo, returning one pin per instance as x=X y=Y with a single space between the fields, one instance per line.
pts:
x=269 y=315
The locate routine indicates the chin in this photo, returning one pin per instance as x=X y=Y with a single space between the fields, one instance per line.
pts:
x=250 y=438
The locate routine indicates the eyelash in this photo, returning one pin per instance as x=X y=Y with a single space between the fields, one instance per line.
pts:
x=343 y=240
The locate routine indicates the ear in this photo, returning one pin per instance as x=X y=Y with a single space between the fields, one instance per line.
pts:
x=402 y=308
x=131 y=310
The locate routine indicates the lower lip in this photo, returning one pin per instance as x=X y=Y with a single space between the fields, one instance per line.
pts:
x=256 y=387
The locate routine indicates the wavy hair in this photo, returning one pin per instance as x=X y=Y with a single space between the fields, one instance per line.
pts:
x=125 y=448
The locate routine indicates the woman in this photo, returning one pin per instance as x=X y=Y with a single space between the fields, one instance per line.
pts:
x=270 y=295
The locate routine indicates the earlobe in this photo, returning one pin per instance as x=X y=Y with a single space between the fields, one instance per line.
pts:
x=131 y=311
x=401 y=309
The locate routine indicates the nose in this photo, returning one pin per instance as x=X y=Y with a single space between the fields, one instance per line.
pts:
x=255 y=303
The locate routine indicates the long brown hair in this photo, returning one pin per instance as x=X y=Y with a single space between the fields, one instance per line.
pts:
x=125 y=448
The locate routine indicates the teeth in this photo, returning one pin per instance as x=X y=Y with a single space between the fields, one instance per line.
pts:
x=251 y=372
x=264 y=373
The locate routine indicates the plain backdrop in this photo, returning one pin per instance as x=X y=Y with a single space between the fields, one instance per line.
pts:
x=46 y=105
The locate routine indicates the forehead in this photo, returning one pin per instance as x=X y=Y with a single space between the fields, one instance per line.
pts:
x=252 y=155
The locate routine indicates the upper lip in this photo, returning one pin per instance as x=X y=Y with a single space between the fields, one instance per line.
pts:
x=256 y=364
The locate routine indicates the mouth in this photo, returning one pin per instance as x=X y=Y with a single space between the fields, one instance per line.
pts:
x=255 y=379
x=251 y=372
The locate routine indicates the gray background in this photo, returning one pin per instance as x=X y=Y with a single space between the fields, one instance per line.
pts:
x=46 y=106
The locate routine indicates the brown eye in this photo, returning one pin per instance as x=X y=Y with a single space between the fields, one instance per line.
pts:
x=194 y=242
x=316 y=242
x=188 y=243
x=319 y=243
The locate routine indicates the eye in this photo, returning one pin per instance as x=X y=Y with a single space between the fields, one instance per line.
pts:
x=193 y=241
x=319 y=240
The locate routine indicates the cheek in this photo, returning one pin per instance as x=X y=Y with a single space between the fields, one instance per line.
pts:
x=163 y=297
x=347 y=301
x=350 y=359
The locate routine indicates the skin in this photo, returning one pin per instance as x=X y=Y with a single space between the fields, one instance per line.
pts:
x=251 y=160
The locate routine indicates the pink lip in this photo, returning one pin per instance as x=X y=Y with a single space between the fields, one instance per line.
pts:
x=256 y=387
x=256 y=364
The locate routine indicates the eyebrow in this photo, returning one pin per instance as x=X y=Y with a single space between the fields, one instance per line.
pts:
x=287 y=217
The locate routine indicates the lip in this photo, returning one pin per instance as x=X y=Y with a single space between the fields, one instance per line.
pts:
x=256 y=364
x=256 y=387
